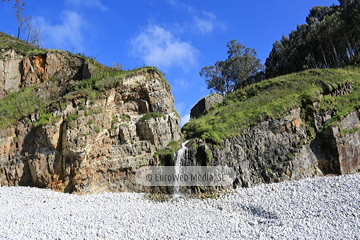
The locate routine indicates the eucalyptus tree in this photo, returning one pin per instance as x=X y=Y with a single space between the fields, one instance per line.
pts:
x=330 y=38
x=239 y=69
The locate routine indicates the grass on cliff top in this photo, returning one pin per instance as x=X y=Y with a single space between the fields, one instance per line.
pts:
x=103 y=76
x=171 y=148
x=30 y=100
x=9 y=42
x=274 y=98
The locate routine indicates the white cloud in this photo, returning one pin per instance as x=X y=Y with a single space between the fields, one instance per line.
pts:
x=206 y=22
x=159 y=47
x=184 y=119
x=172 y=2
x=180 y=107
x=204 y=26
x=89 y=3
x=203 y=89
x=181 y=83
x=68 y=34
x=202 y=21
x=210 y=15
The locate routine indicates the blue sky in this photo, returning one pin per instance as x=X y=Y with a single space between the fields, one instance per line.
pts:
x=178 y=37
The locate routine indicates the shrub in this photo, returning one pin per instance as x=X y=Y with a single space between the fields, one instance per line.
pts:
x=96 y=129
x=151 y=115
x=126 y=118
x=46 y=119
x=273 y=99
x=72 y=117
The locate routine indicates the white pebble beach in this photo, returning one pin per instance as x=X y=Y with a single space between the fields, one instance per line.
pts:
x=316 y=208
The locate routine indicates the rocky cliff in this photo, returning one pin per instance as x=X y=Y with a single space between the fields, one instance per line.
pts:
x=317 y=136
x=19 y=70
x=279 y=150
x=73 y=125
x=94 y=126
x=204 y=104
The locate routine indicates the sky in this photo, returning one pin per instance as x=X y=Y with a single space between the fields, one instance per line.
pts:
x=179 y=37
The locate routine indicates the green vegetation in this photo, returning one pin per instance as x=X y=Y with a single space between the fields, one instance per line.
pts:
x=72 y=117
x=239 y=69
x=158 y=197
x=114 y=121
x=106 y=77
x=21 y=104
x=329 y=39
x=96 y=129
x=126 y=118
x=17 y=105
x=171 y=148
x=150 y=115
x=176 y=113
x=46 y=119
x=9 y=42
x=343 y=132
x=209 y=156
x=274 y=98
x=163 y=151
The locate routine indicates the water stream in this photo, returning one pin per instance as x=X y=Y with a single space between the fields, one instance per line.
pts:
x=181 y=156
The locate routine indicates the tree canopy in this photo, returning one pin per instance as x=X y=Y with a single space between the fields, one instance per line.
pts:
x=330 y=38
x=239 y=69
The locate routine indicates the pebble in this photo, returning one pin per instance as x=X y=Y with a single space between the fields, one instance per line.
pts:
x=316 y=208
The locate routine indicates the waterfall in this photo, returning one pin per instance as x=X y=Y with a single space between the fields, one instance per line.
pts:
x=181 y=156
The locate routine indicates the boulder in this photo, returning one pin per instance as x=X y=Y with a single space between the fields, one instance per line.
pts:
x=204 y=104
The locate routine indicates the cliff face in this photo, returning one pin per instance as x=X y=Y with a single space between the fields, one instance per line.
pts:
x=295 y=126
x=81 y=144
x=72 y=125
x=278 y=150
x=19 y=70
x=204 y=104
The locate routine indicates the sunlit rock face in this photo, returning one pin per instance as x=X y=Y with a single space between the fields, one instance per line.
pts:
x=279 y=150
x=89 y=146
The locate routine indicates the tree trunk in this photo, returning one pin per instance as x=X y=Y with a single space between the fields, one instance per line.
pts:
x=322 y=51
x=335 y=53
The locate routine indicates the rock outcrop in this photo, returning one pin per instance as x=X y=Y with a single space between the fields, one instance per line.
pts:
x=282 y=149
x=19 y=70
x=204 y=104
x=97 y=126
x=84 y=145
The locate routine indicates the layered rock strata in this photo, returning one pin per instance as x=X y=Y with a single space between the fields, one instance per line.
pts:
x=87 y=145
x=279 y=150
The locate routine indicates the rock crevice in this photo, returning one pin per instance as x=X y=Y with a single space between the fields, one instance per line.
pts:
x=88 y=146
x=280 y=150
x=19 y=70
